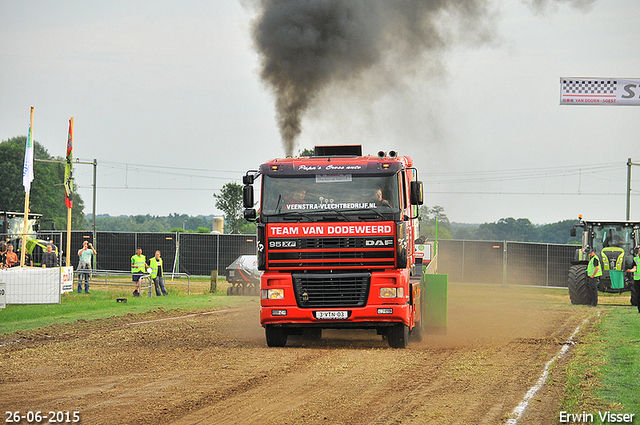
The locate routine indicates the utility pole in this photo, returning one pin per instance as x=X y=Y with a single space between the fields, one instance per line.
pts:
x=629 y=164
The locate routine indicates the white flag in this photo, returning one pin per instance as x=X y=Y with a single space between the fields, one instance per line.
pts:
x=27 y=172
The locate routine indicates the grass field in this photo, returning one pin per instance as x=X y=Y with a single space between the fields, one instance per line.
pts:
x=101 y=303
x=604 y=368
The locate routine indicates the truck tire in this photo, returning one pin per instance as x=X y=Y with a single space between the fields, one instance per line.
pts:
x=416 y=333
x=276 y=337
x=577 y=283
x=634 y=294
x=398 y=336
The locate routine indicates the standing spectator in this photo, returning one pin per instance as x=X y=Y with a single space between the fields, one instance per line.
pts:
x=157 y=274
x=49 y=258
x=28 y=261
x=3 y=255
x=11 y=257
x=636 y=275
x=593 y=277
x=138 y=269
x=85 y=253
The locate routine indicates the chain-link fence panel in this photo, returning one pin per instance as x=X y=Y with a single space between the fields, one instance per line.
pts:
x=526 y=264
x=114 y=250
x=471 y=261
x=451 y=259
x=515 y=263
x=559 y=260
x=200 y=253
x=152 y=242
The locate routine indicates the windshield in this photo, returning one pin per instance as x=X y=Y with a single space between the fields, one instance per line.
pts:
x=613 y=236
x=316 y=193
x=16 y=226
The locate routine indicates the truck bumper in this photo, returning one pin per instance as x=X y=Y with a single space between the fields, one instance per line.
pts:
x=372 y=316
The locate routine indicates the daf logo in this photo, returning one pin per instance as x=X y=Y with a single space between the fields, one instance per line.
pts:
x=378 y=243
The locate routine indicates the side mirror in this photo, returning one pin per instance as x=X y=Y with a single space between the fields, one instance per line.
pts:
x=247 y=196
x=572 y=232
x=417 y=197
x=250 y=214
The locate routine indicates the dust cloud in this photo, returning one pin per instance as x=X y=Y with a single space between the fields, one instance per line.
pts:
x=478 y=314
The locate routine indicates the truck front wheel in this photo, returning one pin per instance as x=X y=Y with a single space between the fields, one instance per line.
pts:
x=398 y=336
x=276 y=336
x=577 y=283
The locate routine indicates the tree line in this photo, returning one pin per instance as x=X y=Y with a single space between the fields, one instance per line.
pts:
x=47 y=198
x=505 y=229
x=47 y=189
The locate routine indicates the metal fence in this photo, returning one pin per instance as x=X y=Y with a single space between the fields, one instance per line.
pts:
x=191 y=253
x=512 y=263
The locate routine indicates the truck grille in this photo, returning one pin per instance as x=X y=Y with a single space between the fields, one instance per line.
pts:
x=324 y=290
x=334 y=253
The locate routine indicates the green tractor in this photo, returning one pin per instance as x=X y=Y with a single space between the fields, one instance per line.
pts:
x=615 y=243
x=12 y=226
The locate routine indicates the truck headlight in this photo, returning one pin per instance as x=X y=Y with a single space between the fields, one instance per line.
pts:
x=391 y=292
x=272 y=294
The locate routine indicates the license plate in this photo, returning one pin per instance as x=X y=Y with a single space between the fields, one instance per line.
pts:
x=332 y=314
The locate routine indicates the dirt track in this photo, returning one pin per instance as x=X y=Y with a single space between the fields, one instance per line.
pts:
x=216 y=368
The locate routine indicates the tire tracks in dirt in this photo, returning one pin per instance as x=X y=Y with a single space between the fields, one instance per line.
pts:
x=216 y=368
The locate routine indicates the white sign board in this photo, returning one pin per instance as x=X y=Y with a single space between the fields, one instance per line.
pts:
x=599 y=91
x=424 y=251
x=30 y=285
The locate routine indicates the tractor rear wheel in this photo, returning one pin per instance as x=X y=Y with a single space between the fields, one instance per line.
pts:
x=577 y=283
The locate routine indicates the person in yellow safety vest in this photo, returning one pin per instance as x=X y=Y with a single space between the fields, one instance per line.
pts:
x=636 y=276
x=157 y=274
x=138 y=269
x=594 y=271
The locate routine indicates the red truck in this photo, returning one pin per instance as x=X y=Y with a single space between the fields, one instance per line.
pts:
x=336 y=244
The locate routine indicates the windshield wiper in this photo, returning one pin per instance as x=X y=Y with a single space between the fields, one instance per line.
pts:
x=372 y=210
x=317 y=215
x=288 y=214
x=336 y=212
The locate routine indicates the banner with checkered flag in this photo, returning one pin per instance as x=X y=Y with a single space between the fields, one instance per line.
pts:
x=599 y=91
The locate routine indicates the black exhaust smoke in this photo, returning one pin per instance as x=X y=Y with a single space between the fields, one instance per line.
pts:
x=307 y=45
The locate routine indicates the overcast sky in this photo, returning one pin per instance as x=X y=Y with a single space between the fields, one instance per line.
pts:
x=167 y=97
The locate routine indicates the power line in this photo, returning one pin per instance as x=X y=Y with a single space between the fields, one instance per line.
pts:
x=153 y=168
x=517 y=174
x=151 y=188
x=525 y=193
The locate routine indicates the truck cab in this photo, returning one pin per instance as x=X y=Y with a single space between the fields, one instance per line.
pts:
x=336 y=243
